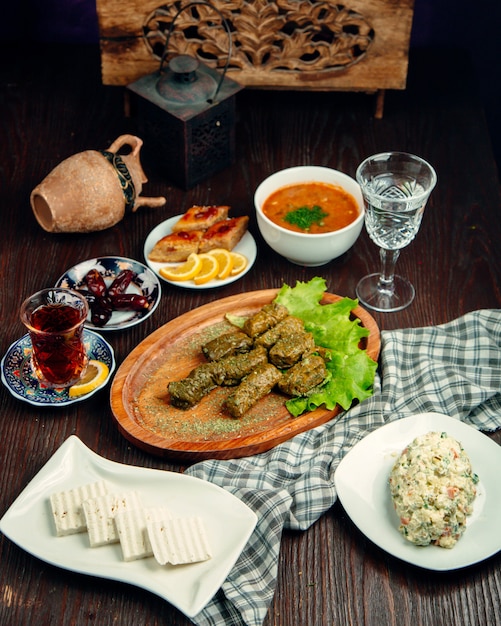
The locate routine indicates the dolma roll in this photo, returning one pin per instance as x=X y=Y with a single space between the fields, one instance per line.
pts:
x=285 y=327
x=301 y=378
x=265 y=318
x=290 y=349
x=187 y=392
x=230 y=370
x=255 y=386
x=226 y=345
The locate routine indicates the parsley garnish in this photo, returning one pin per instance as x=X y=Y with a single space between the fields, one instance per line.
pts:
x=305 y=216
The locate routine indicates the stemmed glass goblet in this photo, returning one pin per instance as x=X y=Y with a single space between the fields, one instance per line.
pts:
x=395 y=187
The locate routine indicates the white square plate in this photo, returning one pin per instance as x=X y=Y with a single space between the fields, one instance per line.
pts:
x=362 y=485
x=228 y=521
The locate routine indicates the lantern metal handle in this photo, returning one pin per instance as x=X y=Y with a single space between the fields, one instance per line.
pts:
x=227 y=28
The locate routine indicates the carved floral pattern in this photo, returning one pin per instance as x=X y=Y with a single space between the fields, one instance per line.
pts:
x=281 y=36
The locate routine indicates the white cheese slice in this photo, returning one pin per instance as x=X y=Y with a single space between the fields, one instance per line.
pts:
x=67 y=507
x=100 y=515
x=132 y=532
x=179 y=541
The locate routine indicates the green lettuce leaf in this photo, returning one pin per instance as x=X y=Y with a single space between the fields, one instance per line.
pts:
x=352 y=370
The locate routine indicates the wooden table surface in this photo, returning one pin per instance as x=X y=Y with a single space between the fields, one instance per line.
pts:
x=52 y=105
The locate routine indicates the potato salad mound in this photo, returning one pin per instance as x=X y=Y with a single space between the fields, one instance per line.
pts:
x=433 y=487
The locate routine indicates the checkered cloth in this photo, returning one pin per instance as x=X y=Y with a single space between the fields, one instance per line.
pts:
x=454 y=369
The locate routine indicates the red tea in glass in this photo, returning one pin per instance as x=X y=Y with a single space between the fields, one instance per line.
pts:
x=55 y=320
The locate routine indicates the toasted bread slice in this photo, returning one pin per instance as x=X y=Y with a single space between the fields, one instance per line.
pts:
x=224 y=234
x=201 y=218
x=176 y=247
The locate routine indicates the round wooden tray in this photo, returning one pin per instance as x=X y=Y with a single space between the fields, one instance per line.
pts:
x=205 y=431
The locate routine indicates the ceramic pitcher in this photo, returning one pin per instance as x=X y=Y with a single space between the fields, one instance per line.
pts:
x=92 y=190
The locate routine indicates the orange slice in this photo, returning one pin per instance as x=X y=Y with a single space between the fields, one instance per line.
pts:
x=96 y=374
x=209 y=270
x=239 y=263
x=186 y=271
x=225 y=261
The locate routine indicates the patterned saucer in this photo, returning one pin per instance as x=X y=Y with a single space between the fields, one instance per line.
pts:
x=17 y=375
x=145 y=283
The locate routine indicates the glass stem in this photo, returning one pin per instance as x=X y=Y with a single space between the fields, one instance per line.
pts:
x=388 y=261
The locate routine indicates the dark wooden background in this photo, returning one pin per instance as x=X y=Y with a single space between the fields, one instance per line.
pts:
x=53 y=105
x=470 y=29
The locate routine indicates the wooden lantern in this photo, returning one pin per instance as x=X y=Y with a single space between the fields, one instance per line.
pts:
x=186 y=116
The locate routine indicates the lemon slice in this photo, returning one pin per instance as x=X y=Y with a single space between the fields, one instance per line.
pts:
x=186 y=271
x=225 y=261
x=96 y=374
x=210 y=269
x=239 y=263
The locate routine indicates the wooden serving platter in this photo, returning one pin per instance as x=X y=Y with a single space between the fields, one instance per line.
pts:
x=140 y=401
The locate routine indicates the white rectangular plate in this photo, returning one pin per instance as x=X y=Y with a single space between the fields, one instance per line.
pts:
x=228 y=521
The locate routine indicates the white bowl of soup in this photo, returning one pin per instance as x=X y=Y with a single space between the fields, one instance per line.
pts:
x=309 y=214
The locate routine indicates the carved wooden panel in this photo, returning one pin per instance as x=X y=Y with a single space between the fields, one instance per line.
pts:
x=285 y=44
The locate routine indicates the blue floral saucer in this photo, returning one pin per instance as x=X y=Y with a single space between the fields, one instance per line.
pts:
x=17 y=375
x=145 y=283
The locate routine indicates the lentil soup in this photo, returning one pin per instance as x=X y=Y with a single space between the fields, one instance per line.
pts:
x=311 y=207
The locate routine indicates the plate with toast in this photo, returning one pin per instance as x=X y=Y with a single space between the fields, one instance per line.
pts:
x=199 y=230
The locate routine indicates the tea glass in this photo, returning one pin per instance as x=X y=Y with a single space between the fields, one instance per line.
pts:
x=55 y=321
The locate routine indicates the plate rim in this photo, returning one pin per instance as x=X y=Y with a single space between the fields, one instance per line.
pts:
x=68 y=401
x=213 y=284
x=58 y=468
x=241 y=446
x=136 y=320
x=364 y=518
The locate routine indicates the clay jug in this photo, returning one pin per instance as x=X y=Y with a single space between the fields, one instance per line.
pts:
x=92 y=190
